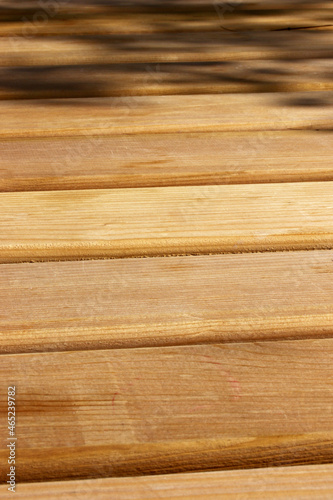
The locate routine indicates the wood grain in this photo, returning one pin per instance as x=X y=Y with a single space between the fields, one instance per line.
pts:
x=129 y=303
x=166 y=48
x=63 y=225
x=184 y=395
x=177 y=409
x=95 y=162
x=158 y=114
x=149 y=17
x=165 y=79
x=311 y=482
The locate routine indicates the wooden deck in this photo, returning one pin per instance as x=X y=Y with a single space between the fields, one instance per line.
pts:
x=166 y=248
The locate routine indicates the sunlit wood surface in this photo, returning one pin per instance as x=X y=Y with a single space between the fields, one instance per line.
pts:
x=166 y=248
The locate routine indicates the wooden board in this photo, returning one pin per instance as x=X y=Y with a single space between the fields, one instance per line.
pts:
x=311 y=482
x=165 y=160
x=165 y=79
x=71 y=19
x=63 y=225
x=177 y=409
x=166 y=48
x=125 y=303
x=158 y=114
x=184 y=395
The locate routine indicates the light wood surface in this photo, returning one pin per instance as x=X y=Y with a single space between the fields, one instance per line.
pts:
x=165 y=160
x=158 y=114
x=311 y=482
x=63 y=225
x=171 y=131
x=65 y=306
x=166 y=48
x=177 y=409
x=165 y=79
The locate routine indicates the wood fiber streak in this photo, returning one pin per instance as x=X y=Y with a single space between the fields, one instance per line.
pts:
x=63 y=225
x=157 y=114
x=96 y=162
x=154 y=411
x=311 y=482
x=125 y=303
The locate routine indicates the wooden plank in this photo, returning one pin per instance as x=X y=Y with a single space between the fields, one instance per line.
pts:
x=117 y=21
x=165 y=79
x=165 y=160
x=311 y=482
x=166 y=114
x=62 y=225
x=162 y=410
x=166 y=48
x=64 y=306
x=247 y=17
x=71 y=19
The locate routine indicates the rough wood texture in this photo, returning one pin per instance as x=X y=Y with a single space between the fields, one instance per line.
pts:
x=165 y=79
x=185 y=395
x=166 y=48
x=63 y=225
x=176 y=409
x=66 y=306
x=96 y=162
x=311 y=482
x=158 y=114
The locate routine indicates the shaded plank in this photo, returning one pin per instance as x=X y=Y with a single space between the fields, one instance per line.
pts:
x=118 y=80
x=166 y=48
x=275 y=15
x=125 y=303
x=158 y=114
x=113 y=21
x=63 y=225
x=302 y=482
x=165 y=160
x=149 y=17
x=149 y=411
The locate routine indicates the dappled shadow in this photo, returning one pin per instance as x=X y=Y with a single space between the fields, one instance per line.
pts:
x=305 y=101
x=121 y=48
